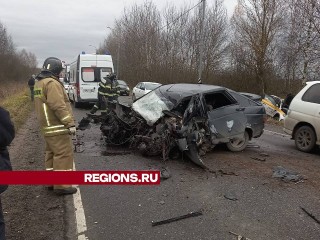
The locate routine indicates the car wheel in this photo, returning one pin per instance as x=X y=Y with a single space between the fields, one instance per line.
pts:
x=238 y=145
x=133 y=98
x=305 y=138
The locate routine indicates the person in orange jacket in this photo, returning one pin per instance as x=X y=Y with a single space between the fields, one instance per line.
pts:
x=55 y=116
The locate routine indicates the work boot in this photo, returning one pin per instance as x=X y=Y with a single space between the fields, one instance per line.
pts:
x=66 y=191
x=94 y=109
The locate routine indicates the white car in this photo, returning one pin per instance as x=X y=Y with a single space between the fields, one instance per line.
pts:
x=303 y=119
x=272 y=108
x=66 y=85
x=142 y=88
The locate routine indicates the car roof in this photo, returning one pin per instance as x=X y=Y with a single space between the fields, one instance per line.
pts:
x=312 y=82
x=150 y=82
x=182 y=90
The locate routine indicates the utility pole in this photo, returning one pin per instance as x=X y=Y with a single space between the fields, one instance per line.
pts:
x=118 y=59
x=201 y=43
x=118 y=52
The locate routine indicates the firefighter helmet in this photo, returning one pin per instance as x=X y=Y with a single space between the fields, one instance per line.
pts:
x=111 y=76
x=52 y=65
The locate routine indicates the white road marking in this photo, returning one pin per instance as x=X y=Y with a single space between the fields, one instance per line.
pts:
x=80 y=216
x=276 y=133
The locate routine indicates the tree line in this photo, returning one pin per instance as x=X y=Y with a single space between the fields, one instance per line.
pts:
x=266 y=46
x=16 y=66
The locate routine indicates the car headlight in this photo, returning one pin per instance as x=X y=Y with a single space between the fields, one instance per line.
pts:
x=128 y=88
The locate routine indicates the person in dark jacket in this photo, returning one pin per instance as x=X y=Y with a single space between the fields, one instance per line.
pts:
x=108 y=91
x=31 y=83
x=6 y=136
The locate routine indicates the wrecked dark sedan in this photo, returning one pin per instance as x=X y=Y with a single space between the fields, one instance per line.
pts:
x=175 y=119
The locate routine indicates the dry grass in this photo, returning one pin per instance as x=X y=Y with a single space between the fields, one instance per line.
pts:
x=18 y=104
x=11 y=88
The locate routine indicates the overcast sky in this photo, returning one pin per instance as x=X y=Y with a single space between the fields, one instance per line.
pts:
x=65 y=28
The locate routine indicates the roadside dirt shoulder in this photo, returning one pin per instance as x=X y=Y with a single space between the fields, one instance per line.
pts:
x=31 y=212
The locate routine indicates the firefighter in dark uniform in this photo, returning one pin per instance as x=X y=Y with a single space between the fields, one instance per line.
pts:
x=54 y=113
x=6 y=136
x=108 y=91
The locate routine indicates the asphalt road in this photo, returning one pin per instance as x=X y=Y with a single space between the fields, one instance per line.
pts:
x=263 y=207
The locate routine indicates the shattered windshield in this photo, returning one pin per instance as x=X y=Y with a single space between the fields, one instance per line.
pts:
x=151 y=106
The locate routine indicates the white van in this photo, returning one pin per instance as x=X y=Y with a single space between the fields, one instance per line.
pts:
x=85 y=74
x=303 y=119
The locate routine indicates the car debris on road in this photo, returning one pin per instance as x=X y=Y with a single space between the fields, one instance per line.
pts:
x=258 y=159
x=191 y=214
x=239 y=237
x=286 y=175
x=311 y=215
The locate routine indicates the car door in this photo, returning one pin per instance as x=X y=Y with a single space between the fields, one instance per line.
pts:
x=254 y=112
x=226 y=118
x=90 y=77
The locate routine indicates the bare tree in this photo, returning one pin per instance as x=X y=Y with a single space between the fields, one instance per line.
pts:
x=15 y=65
x=307 y=11
x=165 y=48
x=256 y=24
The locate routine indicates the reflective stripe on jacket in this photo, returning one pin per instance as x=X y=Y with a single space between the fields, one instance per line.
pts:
x=109 y=89
x=53 y=107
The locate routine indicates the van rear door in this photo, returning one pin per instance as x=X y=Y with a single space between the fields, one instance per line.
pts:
x=90 y=78
x=89 y=84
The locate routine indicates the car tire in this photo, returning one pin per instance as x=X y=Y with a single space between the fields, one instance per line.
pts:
x=305 y=139
x=239 y=144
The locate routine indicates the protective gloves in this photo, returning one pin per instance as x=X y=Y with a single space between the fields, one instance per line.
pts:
x=72 y=130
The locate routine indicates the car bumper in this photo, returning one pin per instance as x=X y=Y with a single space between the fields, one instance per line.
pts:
x=289 y=125
x=126 y=92
x=287 y=131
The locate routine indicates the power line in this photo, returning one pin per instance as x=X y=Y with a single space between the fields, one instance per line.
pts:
x=167 y=25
